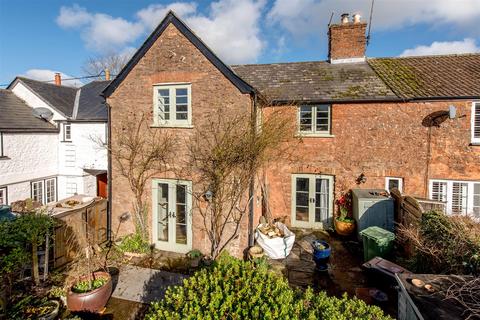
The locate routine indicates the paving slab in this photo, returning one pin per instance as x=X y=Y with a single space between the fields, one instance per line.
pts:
x=142 y=284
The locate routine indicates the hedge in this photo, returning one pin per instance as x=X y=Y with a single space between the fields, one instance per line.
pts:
x=235 y=289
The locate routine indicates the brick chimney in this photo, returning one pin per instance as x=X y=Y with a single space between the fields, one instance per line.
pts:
x=347 y=40
x=58 y=79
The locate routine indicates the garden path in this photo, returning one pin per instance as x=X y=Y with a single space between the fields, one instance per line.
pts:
x=142 y=284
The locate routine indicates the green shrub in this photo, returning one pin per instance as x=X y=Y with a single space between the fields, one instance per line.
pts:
x=445 y=244
x=88 y=285
x=234 y=289
x=134 y=243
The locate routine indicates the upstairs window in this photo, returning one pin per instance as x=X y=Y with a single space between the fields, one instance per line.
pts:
x=476 y=122
x=67 y=132
x=3 y=195
x=172 y=105
x=2 y=155
x=314 y=119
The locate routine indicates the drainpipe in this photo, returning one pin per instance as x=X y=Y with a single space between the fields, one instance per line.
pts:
x=109 y=173
x=251 y=191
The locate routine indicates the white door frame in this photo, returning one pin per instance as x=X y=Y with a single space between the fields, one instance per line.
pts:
x=171 y=244
x=311 y=205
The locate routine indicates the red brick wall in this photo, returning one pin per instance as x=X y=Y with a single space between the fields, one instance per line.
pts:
x=347 y=40
x=385 y=139
x=173 y=59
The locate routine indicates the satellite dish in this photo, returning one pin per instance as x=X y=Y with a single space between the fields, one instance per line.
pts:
x=43 y=113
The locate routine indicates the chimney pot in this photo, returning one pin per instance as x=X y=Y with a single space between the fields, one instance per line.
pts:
x=107 y=74
x=344 y=19
x=357 y=18
x=58 y=79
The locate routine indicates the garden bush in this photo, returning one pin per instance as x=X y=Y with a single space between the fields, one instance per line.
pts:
x=134 y=243
x=234 y=289
x=444 y=244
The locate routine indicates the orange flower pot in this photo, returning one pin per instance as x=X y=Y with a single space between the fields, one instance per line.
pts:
x=344 y=228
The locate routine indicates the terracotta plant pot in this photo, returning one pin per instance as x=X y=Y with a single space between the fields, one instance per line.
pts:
x=344 y=228
x=92 y=301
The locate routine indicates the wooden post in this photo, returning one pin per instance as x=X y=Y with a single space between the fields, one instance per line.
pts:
x=45 y=265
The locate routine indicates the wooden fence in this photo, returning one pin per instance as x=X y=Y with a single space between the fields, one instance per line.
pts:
x=409 y=210
x=77 y=225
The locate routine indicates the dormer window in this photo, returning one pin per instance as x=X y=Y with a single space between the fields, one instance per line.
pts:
x=67 y=132
x=172 y=105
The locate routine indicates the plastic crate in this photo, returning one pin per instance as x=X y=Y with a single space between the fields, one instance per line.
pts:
x=377 y=242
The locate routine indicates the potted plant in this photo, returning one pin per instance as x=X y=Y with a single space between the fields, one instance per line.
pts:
x=344 y=223
x=91 y=286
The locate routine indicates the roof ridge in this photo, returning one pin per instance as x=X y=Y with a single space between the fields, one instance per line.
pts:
x=44 y=82
x=273 y=63
x=429 y=56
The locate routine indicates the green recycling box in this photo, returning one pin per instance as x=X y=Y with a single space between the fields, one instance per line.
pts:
x=377 y=242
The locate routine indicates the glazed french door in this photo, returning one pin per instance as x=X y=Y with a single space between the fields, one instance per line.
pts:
x=312 y=200
x=172 y=215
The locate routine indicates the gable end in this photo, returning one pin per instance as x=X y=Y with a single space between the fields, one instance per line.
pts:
x=243 y=86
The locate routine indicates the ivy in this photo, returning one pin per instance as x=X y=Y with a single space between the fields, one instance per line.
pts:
x=235 y=289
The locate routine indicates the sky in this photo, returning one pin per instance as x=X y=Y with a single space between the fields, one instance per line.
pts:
x=40 y=38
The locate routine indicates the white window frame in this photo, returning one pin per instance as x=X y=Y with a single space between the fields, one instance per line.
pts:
x=71 y=188
x=41 y=189
x=449 y=193
x=47 y=181
x=65 y=138
x=3 y=195
x=172 y=121
x=475 y=118
x=400 y=183
x=314 y=131
x=311 y=223
x=2 y=155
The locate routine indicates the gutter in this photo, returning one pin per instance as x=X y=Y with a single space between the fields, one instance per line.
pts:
x=109 y=174
x=251 y=190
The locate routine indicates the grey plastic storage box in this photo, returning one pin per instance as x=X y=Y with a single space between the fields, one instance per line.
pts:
x=370 y=208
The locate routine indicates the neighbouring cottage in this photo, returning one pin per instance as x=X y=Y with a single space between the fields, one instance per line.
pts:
x=67 y=160
x=410 y=123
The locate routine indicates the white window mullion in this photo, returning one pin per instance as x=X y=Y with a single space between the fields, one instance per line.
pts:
x=475 y=123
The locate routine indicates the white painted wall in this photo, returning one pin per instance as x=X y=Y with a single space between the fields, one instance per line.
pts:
x=40 y=155
x=31 y=156
x=34 y=101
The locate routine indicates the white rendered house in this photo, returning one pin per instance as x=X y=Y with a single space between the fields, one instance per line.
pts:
x=68 y=159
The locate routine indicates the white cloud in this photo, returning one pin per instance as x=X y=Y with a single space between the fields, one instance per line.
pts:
x=153 y=14
x=468 y=45
x=72 y=17
x=100 y=32
x=311 y=16
x=49 y=75
x=231 y=28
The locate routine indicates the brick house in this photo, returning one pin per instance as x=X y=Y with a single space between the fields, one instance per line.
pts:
x=383 y=119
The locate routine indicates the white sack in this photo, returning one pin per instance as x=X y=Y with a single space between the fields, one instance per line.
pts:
x=278 y=247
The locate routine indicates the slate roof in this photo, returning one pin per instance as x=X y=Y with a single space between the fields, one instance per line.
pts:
x=91 y=105
x=62 y=98
x=85 y=103
x=316 y=81
x=423 y=77
x=16 y=115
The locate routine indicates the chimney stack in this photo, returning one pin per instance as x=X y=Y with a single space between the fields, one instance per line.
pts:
x=347 y=40
x=107 y=74
x=58 y=79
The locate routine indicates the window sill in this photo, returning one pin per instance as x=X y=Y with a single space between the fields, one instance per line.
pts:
x=172 y=126
x=474 y=144
x=314 y=135
x=4 y=158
